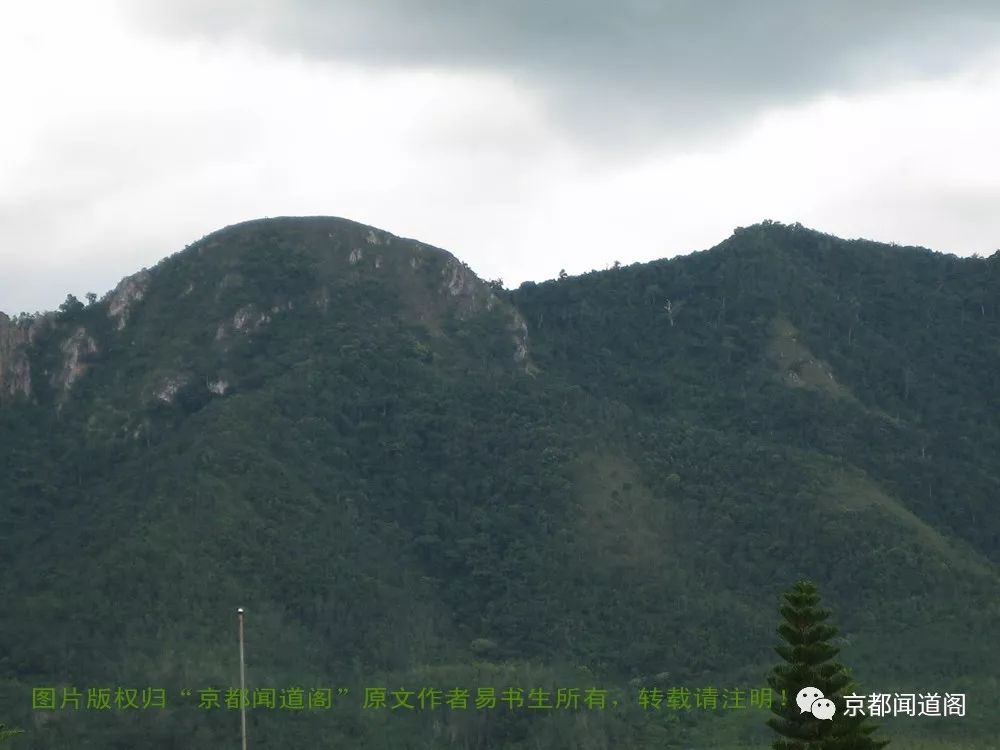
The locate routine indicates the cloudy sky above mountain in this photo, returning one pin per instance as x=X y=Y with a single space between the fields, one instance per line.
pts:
x=525 y=137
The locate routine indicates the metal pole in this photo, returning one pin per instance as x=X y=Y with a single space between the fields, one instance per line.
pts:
x=243 y=686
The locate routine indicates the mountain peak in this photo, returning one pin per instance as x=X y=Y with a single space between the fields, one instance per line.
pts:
x=241 y=284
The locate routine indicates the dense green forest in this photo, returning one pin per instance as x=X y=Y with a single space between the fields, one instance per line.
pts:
x=412 y=478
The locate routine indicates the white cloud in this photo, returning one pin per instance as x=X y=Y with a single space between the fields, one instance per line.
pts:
x=120 y=149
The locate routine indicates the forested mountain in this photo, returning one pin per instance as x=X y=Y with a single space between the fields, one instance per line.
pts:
x=414 y=478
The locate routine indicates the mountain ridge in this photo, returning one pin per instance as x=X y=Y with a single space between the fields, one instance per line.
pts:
x=408 y=475
x=357 y=246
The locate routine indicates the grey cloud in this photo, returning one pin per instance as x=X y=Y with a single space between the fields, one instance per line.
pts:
x=631 y=68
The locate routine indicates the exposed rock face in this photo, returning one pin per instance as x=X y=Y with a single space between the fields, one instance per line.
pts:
x=799 y=367
x=519 y=328
x=15 y=368
x=471 y=294
x=375 y=237
x=248 y=317
x=170 y=387
x=218 y=387
x=460 y=281
x=123 y=298
x=75 y=350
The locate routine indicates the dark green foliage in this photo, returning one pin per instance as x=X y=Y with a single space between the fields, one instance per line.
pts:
x=328 y=425
x=70 y=308
x=808 y=655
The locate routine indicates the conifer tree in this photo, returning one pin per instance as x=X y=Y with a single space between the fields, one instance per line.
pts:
x=808 y=656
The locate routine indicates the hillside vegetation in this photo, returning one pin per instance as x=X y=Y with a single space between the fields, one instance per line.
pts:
x=412 y=477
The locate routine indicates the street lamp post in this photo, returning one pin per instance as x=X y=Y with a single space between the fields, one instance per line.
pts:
x=243 y=686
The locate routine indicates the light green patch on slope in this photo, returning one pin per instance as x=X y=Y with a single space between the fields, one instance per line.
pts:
x=853 y=492
x=798 y=366
x=619 y=517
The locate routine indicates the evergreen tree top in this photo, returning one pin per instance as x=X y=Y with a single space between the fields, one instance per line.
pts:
x=809 y=675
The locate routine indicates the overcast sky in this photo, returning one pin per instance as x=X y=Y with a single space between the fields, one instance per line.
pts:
x=525 y=137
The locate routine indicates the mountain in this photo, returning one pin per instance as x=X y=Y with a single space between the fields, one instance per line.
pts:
x=413 y=478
